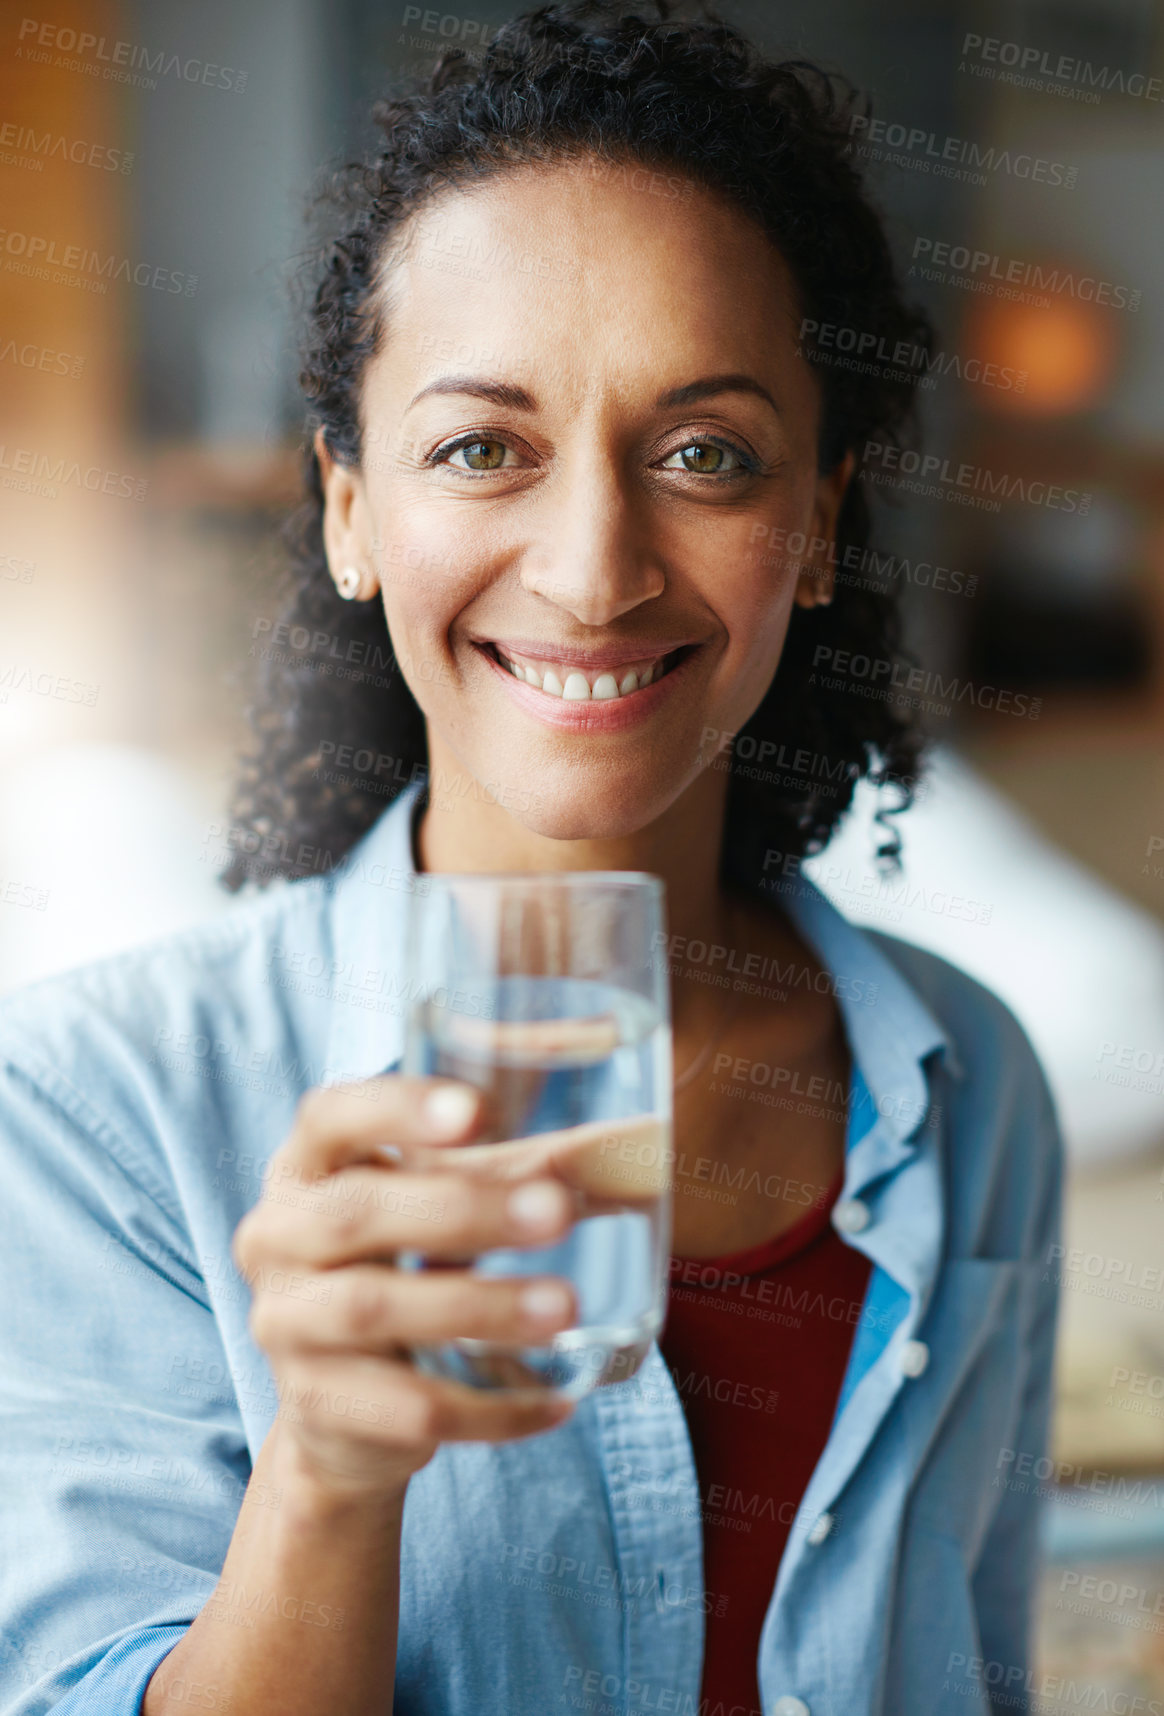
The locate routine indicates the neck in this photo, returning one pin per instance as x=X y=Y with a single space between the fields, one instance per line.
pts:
x=469 y=832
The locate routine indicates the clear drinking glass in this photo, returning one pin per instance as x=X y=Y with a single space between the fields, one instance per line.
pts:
x=548 y=994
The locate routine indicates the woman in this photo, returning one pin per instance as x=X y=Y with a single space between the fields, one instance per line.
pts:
x=566 y=438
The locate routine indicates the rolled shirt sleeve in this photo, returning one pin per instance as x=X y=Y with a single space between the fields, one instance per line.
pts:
x=120 y=1482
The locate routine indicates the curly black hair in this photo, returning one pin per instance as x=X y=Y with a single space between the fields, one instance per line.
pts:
x=336 y=733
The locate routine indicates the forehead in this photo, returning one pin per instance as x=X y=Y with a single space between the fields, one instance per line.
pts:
x=590 y=261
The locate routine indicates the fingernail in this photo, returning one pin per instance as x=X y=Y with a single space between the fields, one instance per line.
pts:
x=545 y=1301
x=536 y=1206
x=449 y=1108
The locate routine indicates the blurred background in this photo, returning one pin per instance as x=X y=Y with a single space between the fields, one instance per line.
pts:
x=156 y=160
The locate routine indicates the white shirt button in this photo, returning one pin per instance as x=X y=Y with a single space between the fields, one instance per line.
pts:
x=822 y=1525
x=851 y=1216
x=915 y=1356
x=789 y=1706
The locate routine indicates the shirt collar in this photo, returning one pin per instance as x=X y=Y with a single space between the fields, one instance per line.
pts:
x=371 y=889
x=891 y=1032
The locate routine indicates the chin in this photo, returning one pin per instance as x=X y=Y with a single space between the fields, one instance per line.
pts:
x=577 y=808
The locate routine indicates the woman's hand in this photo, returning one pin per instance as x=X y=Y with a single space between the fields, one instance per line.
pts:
x=334 y=1315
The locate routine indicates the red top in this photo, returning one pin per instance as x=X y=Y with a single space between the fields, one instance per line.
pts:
x=757 y=1343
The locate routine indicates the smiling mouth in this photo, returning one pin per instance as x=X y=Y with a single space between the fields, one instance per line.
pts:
x=583 y=684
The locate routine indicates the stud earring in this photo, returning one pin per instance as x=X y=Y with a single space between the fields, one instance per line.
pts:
x=348 y=582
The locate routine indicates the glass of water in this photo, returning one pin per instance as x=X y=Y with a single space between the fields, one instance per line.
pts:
x=548 y=993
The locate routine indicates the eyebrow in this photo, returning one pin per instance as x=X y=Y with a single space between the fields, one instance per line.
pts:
x=518 y=399
x=710 y=386
x=496 y=392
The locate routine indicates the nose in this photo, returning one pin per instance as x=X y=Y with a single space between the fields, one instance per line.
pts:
x=594 y=558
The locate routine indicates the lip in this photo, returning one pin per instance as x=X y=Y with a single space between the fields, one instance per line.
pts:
x=607 y=715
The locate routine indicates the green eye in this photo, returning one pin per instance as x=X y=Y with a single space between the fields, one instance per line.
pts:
x=483 y=455
x=705 y=458
x=700 y=456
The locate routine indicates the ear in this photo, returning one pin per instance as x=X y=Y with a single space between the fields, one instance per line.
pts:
x=348 y=535
x=814 y=586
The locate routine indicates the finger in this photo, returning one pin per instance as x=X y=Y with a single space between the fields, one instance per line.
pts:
x=529 y=1049
x=389 y=1403
x=368 y=1215
x=576 y=1040
x=371 y=1309
x=374 y=1120
x=619 y=1161
x=452 y=1412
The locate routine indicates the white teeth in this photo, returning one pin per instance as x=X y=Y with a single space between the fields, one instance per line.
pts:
x=577 y=688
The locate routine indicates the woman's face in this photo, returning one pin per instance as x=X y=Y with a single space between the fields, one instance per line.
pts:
x=587 y=413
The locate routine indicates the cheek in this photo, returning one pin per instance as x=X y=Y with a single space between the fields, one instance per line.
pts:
x=429 y=566
x=756 y=605
x=756 y=613
x=761 y=655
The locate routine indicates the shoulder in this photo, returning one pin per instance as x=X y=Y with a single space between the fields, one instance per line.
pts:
x=138 y=1049
x=213 y=968
x=988 y=1038
x=1003 y=1145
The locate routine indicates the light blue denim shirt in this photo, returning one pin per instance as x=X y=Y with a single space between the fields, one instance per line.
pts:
x=141 y=1097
